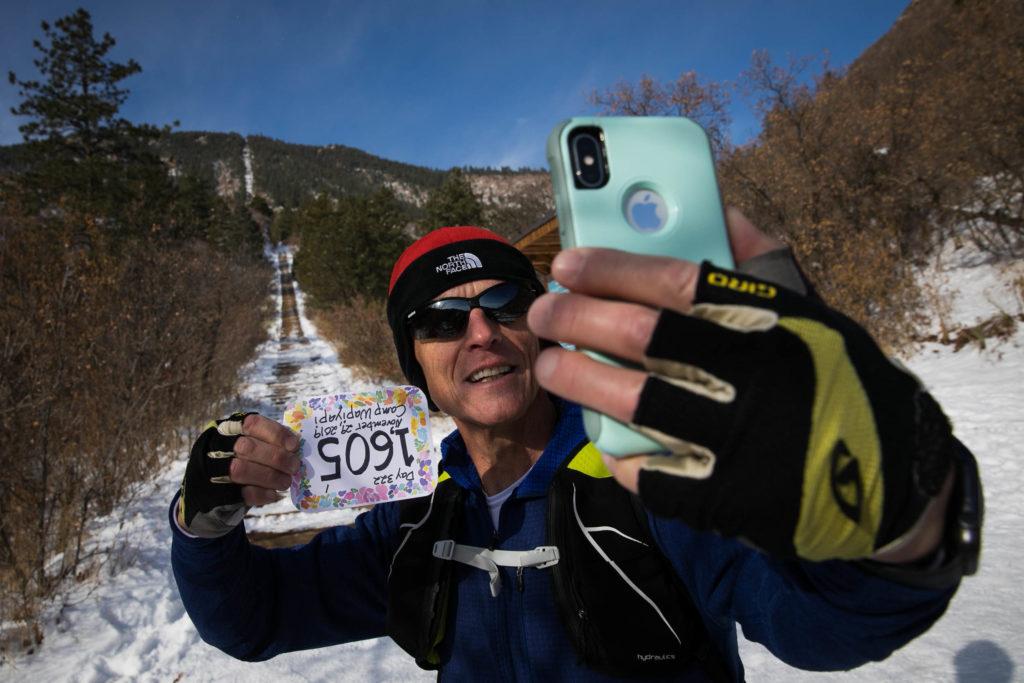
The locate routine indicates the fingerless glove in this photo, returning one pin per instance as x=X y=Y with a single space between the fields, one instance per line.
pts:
x=210 y=504
x=787 y=425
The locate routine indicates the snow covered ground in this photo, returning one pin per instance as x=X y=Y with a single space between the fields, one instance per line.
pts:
x=130 y=624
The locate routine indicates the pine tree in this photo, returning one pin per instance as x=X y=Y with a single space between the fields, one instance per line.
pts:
x=371 y=242
x=77 y=105
x=83 y=149
x=285 y=225
x=454 y=203
x=259 y=204
x=348 y=250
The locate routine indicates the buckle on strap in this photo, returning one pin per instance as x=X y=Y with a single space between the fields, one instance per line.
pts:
x=489 y=560
x=444 y=549
x=539 y=558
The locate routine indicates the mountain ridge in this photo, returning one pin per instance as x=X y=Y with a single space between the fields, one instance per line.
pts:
x=286 y=174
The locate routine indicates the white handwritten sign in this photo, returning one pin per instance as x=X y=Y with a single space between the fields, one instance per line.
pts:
x=361 y=448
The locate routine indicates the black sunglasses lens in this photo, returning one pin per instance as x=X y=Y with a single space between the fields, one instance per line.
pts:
x=507 y=302
x=447 y=318
x=498 y=296
x=439 y=323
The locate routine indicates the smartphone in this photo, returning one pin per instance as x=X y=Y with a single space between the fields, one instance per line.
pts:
x=640 y=184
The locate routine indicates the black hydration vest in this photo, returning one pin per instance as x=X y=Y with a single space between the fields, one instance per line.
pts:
x=624 y=608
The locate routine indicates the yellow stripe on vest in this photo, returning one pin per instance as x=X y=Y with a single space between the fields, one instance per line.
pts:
x=588 y=461
x=444 y=475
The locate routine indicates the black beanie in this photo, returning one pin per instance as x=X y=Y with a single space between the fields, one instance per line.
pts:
x=438 y=261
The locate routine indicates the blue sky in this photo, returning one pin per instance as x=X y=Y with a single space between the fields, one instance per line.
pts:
x=439 y=84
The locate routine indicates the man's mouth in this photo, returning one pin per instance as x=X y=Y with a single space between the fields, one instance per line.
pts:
x=489 y=374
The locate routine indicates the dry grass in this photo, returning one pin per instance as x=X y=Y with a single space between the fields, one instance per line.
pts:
x=360 y=330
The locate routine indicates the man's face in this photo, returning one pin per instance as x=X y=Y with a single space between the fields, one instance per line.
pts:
x=484 y=377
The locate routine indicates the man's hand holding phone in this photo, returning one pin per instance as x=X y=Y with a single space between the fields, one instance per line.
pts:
x=613 y=305
x=787 y=425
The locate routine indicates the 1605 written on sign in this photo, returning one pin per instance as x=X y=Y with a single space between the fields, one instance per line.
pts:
x=360 y=448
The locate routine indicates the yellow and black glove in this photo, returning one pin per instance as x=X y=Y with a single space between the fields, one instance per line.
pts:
x=787 y=424
x=210 y=504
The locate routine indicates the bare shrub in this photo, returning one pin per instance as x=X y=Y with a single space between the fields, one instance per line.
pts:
x=829 y=179
x=707 y=103
x=360 y=329
x=866 y=171
x=104 y=352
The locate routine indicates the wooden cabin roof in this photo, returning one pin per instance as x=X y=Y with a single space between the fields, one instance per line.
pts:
x=540 y=243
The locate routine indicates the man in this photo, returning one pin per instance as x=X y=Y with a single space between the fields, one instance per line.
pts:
x=807 y=493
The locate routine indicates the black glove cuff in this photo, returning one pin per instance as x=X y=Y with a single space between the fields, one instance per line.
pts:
x=201 y=493
x=779 y=266
x=933 y=446
x=960 y=550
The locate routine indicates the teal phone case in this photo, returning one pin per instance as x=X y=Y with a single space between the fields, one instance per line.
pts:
x=666 y=161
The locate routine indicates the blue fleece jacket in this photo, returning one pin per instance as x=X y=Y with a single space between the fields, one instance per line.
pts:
x=245 y=599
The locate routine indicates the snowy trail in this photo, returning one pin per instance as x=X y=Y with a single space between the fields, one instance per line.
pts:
x=247 y=165
x=130 y=625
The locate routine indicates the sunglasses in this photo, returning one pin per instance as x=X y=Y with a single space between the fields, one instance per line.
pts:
x=447 y=318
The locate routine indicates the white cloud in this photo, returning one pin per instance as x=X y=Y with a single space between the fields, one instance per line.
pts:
x=525 y=145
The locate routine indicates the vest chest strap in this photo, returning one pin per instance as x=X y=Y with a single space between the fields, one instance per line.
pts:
x=489 y=560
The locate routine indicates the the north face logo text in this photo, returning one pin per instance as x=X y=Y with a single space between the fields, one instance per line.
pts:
x=457 y=263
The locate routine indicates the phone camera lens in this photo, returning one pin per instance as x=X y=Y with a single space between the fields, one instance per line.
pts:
x=587 y=157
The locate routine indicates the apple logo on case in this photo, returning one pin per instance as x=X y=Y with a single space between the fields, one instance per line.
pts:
x=646 y=210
